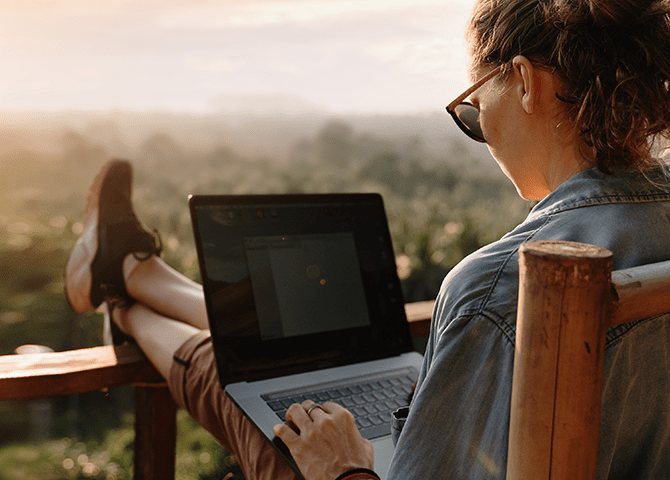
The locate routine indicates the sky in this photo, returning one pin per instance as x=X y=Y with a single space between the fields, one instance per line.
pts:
x=200 y=56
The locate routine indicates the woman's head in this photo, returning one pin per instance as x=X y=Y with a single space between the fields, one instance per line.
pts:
x=612 y=58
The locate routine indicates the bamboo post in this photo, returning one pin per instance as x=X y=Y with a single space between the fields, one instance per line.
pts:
x=564 y=297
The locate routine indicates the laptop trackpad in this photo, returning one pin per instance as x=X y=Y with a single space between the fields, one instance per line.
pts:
x=383 y=452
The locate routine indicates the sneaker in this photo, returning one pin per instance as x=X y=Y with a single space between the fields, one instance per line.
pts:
x=112 y=231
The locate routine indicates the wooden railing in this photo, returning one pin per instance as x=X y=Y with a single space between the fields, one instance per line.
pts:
x=617 y=297
x=41 y=375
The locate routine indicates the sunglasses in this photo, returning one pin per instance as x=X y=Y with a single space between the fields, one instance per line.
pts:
x=465 y=114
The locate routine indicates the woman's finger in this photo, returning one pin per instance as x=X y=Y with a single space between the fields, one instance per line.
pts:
x=332 y=408
x=285 y=434
x=297 y=416
x=327 y=443
x=313 y=410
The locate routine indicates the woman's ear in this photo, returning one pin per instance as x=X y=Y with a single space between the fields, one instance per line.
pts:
x=524 y=73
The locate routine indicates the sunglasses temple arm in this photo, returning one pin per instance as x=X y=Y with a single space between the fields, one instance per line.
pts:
x=474 y=87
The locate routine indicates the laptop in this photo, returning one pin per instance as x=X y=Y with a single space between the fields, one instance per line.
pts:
x=304 y=302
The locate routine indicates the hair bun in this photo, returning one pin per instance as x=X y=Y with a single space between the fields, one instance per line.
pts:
x=624 y=13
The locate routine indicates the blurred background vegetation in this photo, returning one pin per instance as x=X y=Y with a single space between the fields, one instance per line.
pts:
x=444 y=196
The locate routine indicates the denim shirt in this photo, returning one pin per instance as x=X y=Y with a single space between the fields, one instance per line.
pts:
x=457 y=424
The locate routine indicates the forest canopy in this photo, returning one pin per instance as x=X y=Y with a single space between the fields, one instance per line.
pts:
x=444 y=196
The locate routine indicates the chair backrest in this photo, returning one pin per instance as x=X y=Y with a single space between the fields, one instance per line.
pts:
x=568 y=296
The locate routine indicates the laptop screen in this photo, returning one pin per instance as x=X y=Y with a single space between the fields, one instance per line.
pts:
x=298 y=281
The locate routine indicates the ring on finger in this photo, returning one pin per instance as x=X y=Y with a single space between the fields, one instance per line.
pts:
x=312 y=407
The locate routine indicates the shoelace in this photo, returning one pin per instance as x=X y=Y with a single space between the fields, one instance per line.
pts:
x=142 y=254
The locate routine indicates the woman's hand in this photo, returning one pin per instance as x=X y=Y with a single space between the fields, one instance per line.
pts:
x=324 y=443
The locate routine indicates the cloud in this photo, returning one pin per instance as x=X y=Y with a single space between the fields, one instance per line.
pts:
x=267 y=13
x=433 y=55
x=218 y=64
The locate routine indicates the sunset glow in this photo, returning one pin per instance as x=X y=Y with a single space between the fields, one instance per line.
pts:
x=340 y=56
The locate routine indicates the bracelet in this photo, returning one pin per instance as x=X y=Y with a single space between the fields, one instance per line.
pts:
x=358 y=472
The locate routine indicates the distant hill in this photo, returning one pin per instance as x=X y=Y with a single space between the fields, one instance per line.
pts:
x=240 y=124
x=264 y=105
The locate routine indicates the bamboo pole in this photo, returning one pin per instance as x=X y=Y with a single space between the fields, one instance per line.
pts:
x=641 y=292
x=564 y=294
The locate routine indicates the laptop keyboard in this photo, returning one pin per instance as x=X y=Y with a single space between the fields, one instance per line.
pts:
x=370 y=399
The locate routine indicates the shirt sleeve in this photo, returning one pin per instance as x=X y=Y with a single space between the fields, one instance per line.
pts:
x=458 y=421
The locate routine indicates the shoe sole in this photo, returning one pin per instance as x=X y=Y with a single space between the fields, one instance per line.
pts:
x=78 y=268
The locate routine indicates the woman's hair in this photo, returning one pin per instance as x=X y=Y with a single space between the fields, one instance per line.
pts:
x=613 y=57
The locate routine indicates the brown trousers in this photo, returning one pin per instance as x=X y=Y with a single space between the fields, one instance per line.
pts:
x=195 y=387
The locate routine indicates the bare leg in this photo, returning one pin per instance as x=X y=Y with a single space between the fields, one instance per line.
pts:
x=158 y=336
x=168 y=320
x=170 y=309
x=163 y=289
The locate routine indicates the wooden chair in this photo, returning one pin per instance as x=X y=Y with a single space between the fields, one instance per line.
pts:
x=559 y=282
x=568 y=297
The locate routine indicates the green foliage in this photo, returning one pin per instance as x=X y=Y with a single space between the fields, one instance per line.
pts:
x=68 y=458
x=33 y=309
x=199 y=456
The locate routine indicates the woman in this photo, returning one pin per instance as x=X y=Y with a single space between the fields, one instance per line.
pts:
x=571 y=97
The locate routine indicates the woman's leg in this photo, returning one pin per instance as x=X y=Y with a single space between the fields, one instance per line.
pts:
x=183 y=354
x=157 y=285
x=115 y=261
x=158 y=336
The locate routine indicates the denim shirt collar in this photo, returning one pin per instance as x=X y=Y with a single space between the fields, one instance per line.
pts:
x=593 y=187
